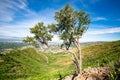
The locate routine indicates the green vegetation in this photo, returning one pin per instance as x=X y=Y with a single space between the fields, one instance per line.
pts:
x=115 y=73
x=41 y=35
x=102 y=54
x=27 y=64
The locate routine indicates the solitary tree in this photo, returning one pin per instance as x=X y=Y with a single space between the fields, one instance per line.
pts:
x=41 y=33
x=71 y=25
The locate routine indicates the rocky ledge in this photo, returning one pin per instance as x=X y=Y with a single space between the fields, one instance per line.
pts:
x=99 y=73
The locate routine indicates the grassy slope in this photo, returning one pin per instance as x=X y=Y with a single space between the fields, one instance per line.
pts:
x=28 y=65
x=101 y=55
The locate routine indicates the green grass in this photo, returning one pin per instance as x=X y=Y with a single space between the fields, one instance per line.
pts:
x=101 y=55
x=27 y=64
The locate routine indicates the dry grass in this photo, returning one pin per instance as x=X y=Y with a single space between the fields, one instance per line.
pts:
x=63 y=63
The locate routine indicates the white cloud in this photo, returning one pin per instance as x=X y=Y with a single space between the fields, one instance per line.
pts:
x=99 y=19
x=8 y=8
x=105 y=31
x=20 y=28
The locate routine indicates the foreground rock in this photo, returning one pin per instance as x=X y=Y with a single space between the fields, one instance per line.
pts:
x=91 y=74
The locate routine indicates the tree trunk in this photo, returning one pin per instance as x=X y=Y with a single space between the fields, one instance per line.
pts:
x=79 y=58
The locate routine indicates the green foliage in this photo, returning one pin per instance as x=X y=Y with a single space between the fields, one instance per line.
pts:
x=28 y=39
x=52 y=28
x=71 y=24
x=41 y=33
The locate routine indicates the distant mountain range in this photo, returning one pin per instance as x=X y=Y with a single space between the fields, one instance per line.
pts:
x=93 y=43
x=19 y=39
x=13 y=39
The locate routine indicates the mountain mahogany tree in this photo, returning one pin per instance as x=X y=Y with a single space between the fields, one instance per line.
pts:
x=41 y=33
x=71 y=25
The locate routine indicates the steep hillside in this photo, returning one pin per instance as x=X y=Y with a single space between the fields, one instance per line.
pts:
x=27 y=64
x=101 y=54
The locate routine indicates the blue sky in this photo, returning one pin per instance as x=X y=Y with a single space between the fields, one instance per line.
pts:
x=17 y=16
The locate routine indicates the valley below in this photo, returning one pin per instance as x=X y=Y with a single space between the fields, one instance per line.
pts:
x=100 y=62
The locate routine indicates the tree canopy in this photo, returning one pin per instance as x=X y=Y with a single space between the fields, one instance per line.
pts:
x=71 y=24
x=41 y=33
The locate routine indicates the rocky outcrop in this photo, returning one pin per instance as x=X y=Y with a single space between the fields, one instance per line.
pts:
x=91 y=74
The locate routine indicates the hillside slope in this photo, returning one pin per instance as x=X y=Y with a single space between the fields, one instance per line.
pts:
x=27 y=64
x=101 y=54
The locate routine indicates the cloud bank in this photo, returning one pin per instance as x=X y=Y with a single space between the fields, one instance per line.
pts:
x=105 y=31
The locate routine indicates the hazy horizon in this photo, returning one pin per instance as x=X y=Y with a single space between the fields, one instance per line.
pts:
x=19 y=39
